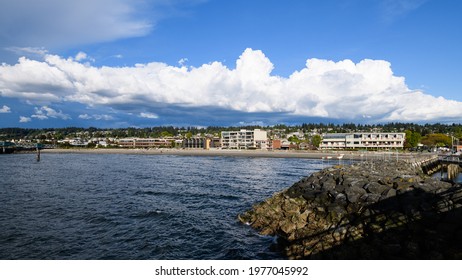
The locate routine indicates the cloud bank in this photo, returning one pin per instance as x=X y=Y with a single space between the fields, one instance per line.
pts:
x=66 y=23
x=343 y=90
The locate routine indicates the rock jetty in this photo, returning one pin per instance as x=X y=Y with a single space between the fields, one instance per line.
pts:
x=368 y=210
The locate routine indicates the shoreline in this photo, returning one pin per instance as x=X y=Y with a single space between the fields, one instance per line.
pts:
x=347 y=155
x=384 y=210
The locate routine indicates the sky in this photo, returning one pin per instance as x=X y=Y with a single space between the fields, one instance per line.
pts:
x=142 y=63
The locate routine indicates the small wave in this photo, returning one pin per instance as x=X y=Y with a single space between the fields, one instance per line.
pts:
x=229 y=197
x=147 y=193
x=235 y=254
x=97 y=220
x=148 y=214
x=152 y=193
x=210 y=195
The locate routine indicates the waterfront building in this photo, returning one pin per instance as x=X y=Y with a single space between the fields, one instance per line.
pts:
x=333 y=141
x=276 y=144
x=361 y=140
x=195 y=143
x=201 y=143
x=244 y=139
x=78 y=142
x=146 y=142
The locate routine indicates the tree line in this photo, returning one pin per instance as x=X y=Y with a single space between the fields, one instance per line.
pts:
x=427 y=134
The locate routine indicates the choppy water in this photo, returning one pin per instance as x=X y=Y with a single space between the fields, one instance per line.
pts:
x=80 y=206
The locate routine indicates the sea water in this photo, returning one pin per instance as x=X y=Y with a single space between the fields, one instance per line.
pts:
x=112 y=206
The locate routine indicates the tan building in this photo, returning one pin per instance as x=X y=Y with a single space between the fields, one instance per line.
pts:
x=244 y=139
x=146 y=142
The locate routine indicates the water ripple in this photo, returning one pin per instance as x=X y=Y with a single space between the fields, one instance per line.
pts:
x=80 y=206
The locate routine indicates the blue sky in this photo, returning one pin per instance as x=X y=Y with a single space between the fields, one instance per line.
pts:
x=119 y=63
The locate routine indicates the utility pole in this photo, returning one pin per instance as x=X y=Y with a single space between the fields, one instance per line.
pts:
x=455 y=143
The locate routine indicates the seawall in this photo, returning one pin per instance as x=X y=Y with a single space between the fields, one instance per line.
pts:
x=369 y=210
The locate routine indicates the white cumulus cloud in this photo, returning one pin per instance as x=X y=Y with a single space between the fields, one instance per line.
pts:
x=5 y=109
x=81 y=56
x=23 y=119
x=149 y=116
x=343 y=90
x=85 y=117
x=46 y=112
x=96 y=117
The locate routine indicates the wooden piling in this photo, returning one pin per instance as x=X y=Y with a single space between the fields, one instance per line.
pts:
x=38 y=154
x=453 y=171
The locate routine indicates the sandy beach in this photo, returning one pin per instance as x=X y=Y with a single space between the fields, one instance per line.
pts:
x=346 y=155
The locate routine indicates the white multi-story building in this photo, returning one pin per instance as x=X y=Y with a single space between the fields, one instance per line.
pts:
x=362 y=140
x=244 y=139
x=333 y=141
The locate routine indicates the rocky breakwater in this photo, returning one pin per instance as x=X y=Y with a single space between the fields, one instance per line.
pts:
x=368 y=210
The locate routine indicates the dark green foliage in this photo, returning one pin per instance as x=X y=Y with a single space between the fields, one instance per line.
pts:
x=412 y=139
x=50 y=134
x=316 y=140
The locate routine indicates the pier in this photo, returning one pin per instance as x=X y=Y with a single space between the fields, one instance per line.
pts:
x=451 y=159
x=10 y=147
x=451 y=164
x=6 y=147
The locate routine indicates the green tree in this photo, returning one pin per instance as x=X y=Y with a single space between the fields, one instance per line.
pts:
x=437 y=139
x=165 y=134
x=458 y=133
x=412 y=139
x=91 y=145
x=316 y=140
x=294 y=139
